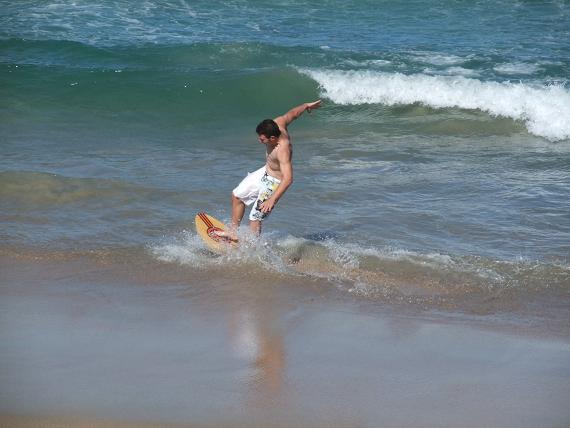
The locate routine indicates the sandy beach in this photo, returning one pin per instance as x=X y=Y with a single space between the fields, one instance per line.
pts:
x=91 y=343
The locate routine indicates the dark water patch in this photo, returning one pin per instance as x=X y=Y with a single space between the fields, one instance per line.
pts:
x=138 y=96
x=34 y=190
x=72 y=212
x=63 y=53
x=177 y=58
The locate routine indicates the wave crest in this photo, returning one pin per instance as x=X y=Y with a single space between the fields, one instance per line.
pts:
x=545 y=110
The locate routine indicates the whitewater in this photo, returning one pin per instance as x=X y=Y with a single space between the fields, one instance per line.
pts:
x=545 y=110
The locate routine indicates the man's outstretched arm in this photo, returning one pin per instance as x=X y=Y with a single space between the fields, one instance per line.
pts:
x=295 y=112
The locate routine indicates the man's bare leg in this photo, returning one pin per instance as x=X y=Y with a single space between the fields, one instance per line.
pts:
x=255 y=227
x=238 y=210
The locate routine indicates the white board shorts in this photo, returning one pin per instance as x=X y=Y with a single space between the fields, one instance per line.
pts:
x=257 y=187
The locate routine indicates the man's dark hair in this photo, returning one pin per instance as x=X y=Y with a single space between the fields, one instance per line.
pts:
x=269 y=128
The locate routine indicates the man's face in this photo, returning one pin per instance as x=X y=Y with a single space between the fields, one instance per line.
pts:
x=267 y=141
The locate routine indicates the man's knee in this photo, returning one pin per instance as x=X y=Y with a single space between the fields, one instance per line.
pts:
x=236 y=200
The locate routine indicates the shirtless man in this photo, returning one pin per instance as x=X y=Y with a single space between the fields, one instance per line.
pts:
x=267 y=185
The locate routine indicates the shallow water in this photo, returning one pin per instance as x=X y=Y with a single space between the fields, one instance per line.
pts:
x=95 y=336
x=437 y=170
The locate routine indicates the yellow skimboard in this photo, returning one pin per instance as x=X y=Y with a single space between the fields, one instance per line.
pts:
x=206 y=226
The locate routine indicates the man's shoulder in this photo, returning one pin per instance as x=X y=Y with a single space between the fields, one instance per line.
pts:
x=284 y=141
x=284 y=149
x=281 y=122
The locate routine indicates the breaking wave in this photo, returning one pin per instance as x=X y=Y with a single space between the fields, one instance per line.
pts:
x=544 y=109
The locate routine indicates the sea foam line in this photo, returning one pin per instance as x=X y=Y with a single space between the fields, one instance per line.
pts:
x=545 y=110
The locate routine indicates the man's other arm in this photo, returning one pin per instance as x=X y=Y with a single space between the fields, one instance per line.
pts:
x=295 y=112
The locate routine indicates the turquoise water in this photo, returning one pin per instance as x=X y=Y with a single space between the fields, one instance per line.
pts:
x=440 y=156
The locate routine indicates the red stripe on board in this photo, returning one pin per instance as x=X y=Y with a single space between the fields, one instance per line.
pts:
x=205 y=219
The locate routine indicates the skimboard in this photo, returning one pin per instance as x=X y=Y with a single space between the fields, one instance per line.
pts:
x=206 y=226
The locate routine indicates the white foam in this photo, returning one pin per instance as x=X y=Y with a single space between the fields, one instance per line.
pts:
x=187 y=249
x=374 y=63
x=348 y=255
x=516 y=68
x=545 y=110
x=341 y=263
x=454 y=71
x=432 y=260
x=341 y=255
x=439 y=59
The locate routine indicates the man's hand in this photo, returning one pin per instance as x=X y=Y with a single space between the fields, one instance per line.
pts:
x=267 y=205
x=313 y=105
x=294 y=113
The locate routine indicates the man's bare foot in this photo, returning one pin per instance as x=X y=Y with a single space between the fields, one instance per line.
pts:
x=225 y=235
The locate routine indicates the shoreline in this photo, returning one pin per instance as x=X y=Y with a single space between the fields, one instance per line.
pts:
x=19 y=421
x=91 y=344
x=542 y=314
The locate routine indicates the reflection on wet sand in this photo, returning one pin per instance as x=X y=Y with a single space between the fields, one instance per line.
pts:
x=256 y=338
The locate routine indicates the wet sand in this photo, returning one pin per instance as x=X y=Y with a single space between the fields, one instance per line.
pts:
x=94 y=344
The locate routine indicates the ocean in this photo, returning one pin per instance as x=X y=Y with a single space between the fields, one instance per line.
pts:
x=436 y=175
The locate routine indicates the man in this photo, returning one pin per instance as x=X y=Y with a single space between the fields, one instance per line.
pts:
x=267 y=185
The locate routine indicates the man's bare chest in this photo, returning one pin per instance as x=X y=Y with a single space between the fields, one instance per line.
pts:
x=272 y=158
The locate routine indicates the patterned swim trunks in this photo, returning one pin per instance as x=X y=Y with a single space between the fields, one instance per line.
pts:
x=256 y=187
